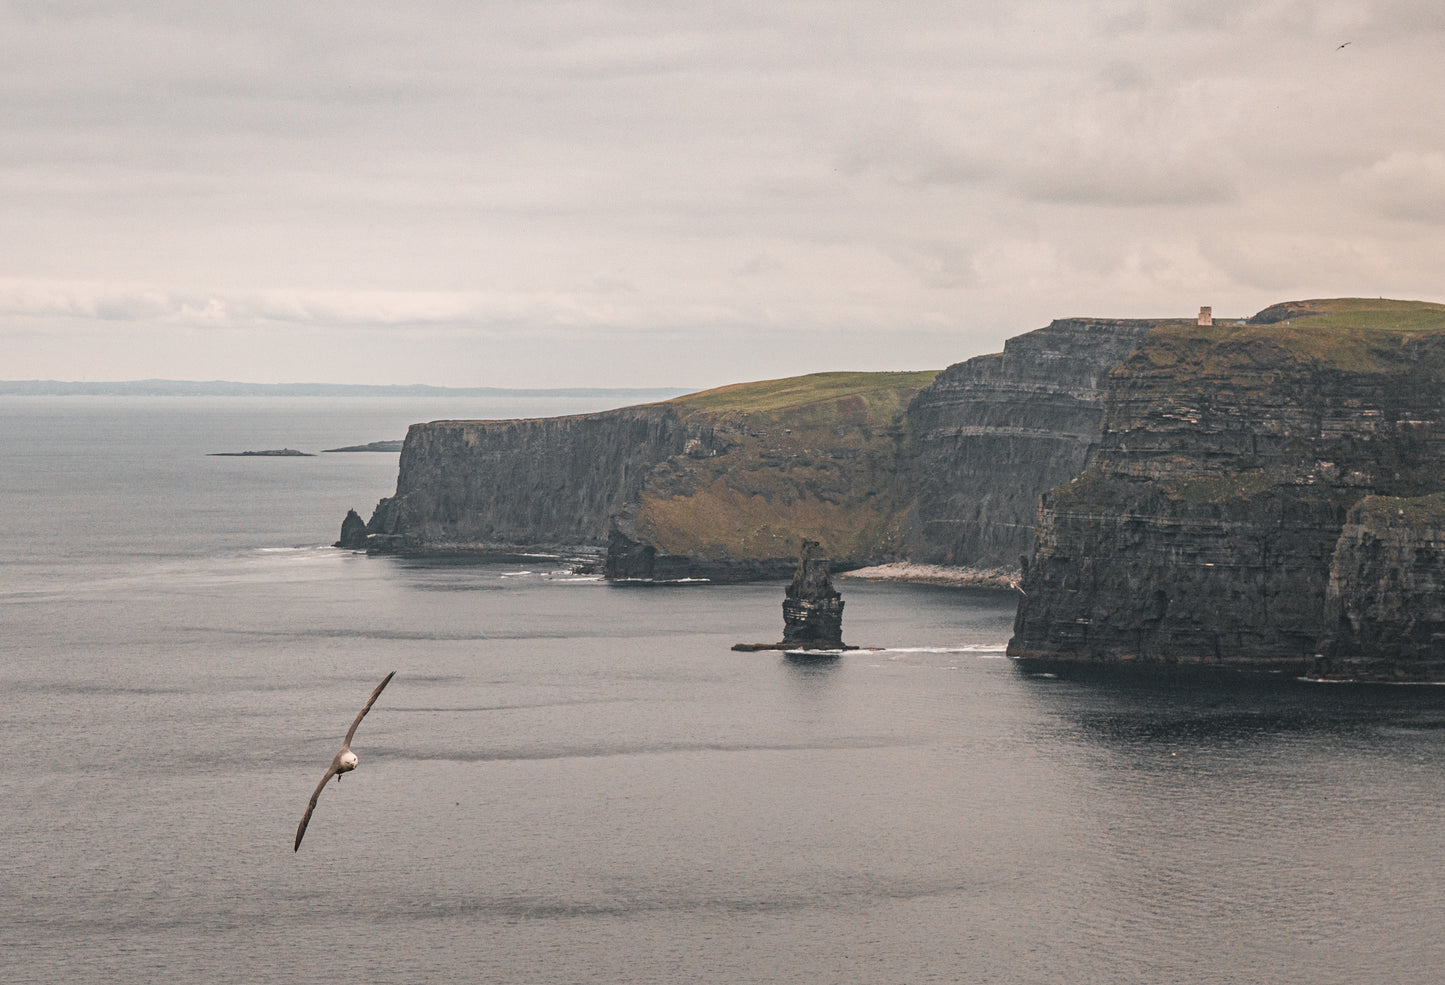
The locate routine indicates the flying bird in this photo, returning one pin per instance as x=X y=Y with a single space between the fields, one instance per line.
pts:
x=344 y=761
x=1341 y=46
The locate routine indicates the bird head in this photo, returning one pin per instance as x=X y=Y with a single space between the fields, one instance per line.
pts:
x=348 y=762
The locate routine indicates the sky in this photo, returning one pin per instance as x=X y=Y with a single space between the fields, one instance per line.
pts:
x=620 y=193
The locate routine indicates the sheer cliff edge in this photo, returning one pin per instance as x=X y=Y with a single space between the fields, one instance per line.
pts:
x=935 y=468
x=1263 y=496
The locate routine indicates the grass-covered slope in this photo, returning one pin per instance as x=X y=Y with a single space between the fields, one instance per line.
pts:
x=820 y=457
x=1355 y=335
x=883 y=396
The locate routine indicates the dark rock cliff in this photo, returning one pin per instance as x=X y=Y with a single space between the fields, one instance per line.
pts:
x=553 y=482
x=1205 y=529
x=1385 y=600
x=992 y=434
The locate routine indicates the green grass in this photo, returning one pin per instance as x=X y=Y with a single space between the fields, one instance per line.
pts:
x=811 y=456
x=1364 y=335
x=883 y=391
x=1218 y=488
x=1416 y=511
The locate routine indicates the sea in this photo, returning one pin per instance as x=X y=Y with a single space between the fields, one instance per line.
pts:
x=574 y=782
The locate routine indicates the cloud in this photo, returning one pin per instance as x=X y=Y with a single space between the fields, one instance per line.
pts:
x=624 y=170
x=1406 y=185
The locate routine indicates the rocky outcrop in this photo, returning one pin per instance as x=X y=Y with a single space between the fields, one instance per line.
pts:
x=1385 y=599
x=631 y=560
x=992 y=434
x=353 y=532
x=812 y=608
x=1230 y=456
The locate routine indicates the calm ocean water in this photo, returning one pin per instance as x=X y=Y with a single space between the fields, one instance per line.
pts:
x=572 y=782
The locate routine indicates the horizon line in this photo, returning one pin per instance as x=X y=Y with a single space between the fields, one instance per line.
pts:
x=170 y=387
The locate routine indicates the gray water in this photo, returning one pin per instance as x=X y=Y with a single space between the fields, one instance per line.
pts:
x=574 y=782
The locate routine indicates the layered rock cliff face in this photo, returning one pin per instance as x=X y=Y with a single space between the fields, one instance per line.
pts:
x=1385 y=599
x=1231 y=455
x=992 y=434
x=812 y=607
x=553 y=482
x=719 y=485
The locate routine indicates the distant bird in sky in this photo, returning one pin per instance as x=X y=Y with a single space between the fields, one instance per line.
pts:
x=1341 y=46
x=344 y=761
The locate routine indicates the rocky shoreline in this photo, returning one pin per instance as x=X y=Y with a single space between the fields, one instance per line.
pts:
x=935 y=574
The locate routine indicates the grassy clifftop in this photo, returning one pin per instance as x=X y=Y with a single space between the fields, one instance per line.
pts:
x=818 y=457
x=1360 y=335
x=880 y=396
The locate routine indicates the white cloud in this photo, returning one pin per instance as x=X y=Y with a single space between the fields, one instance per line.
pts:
x=1406 y=185
x=445 y=175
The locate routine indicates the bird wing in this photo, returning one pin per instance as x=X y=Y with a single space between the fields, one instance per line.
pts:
x=311 y=806
x=369 y=702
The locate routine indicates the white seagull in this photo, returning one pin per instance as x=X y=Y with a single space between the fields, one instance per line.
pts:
x=344 y=762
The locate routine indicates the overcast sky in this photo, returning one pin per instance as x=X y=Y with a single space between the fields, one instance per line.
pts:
x=662 y=193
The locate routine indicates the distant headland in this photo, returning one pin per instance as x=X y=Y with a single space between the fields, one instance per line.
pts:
x=389 y=446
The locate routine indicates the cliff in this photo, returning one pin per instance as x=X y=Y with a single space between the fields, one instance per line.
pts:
x=940 y=468
x=992 y=434
x=549 y=482
x=953 y=478
x=822 y=458
x=1385 y=599
x=1205 y=530
x=721 y=484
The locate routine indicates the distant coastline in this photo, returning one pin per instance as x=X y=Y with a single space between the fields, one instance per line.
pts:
x=268 y=453
x=384 y=446
x=225 y=388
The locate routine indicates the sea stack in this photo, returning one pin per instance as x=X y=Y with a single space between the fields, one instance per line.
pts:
x=813 y=609
x=353 y=532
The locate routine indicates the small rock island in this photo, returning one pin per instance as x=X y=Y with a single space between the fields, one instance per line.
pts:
x=269 y=453
x=812 y=608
